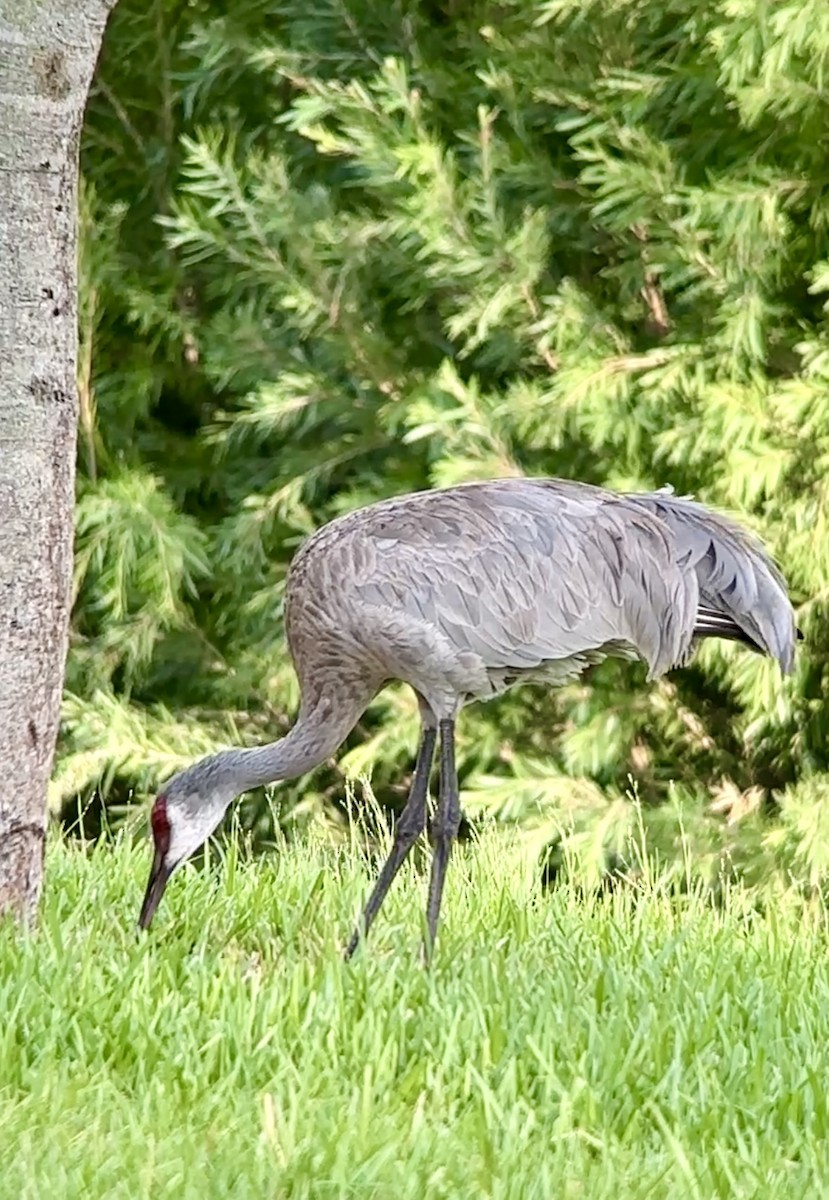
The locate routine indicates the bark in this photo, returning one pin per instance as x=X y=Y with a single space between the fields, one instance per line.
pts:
x=48 y=51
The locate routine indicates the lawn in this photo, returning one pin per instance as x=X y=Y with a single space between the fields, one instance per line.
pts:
x=623 y=1048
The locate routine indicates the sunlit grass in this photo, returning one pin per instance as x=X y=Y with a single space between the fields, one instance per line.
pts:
x=627 y=1047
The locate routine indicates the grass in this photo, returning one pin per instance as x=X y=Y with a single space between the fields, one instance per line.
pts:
x=631 y=1047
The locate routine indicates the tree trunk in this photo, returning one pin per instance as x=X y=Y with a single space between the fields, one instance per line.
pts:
x=48 y=51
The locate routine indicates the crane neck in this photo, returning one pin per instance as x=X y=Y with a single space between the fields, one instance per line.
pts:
x=318 y=733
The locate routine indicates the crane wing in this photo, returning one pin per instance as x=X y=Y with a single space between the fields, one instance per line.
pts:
x=526 y=572
x=738 y=582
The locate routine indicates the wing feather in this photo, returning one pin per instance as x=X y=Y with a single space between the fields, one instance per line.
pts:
x=737 y=578
x=527 y=572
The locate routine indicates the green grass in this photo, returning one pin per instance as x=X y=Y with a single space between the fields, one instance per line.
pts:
x=558 y=1048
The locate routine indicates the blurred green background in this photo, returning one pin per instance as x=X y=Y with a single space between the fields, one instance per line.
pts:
x=338 y=252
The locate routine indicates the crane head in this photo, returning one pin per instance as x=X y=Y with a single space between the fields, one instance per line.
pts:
x=162 y=868
x=183 y=816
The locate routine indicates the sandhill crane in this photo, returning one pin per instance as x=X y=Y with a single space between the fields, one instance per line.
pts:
x=463 y=593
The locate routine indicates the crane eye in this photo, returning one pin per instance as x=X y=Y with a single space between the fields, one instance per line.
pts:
x=160 y=823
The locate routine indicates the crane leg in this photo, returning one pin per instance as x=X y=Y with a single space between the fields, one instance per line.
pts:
x=444 y=831
x=408 y=829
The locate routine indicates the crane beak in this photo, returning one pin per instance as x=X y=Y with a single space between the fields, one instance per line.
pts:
x=159 y=874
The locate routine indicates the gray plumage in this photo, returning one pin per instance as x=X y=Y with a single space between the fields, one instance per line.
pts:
x=467 y=591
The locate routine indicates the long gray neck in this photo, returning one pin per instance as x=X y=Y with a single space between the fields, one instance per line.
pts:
x=317 y=734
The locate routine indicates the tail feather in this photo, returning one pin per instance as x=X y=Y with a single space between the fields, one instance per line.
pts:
x=743 y=596
x=710 y=623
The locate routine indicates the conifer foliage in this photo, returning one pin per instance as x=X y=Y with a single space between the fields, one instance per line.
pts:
x=341 y=251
